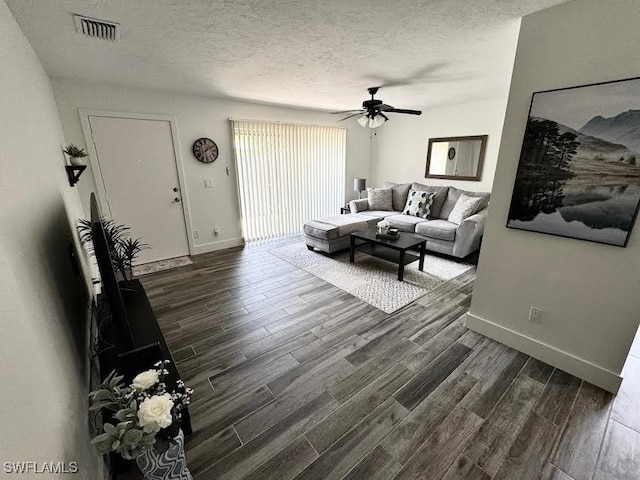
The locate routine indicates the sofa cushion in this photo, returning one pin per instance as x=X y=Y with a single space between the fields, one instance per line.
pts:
x=438 y=199
x=399 y=192
x=380 y=198
x=452 y=199
x=419 y=203
x=464 y=208
x=378 y=213
x=440 y=229
x=404 y=223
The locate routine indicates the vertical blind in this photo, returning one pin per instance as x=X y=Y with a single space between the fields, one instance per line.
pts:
x=287 y=174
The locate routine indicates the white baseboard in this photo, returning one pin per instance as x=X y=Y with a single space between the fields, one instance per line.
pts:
x=221 y=245
x=577 y=366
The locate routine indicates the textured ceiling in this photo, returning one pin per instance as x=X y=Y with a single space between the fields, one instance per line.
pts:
x=308 y=53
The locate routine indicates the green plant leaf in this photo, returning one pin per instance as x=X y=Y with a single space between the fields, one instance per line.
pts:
x=122 y=414
x=132 y=437
x=100 y=405
x=74 y=151
x=101 y=438
x=103 y=448
x=102 y=394
x=148 y=439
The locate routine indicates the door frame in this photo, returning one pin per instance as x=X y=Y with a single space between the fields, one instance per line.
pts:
x=97 y=172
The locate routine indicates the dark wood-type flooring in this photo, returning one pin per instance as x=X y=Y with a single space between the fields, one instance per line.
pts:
x=295 y=378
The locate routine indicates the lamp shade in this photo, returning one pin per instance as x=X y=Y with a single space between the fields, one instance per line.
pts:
x=363 y=121
x=359 y=184
x=376 y=121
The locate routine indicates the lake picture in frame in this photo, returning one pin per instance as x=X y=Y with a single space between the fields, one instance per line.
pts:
x=579 y=169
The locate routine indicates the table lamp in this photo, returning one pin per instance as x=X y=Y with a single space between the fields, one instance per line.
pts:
x=359 y=184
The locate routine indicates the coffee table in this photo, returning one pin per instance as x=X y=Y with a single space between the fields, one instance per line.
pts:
x=392 y=250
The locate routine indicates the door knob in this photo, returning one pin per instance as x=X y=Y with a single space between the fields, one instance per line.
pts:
x=176 y=200
x=175 y=189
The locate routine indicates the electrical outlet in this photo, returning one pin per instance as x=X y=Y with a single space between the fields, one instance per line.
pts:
x=216 y=231
x=535 y=315
x=196 y=234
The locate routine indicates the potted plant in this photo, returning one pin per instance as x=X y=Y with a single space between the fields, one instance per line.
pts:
x=146 y=422
x=75 y=154
x=122 y=247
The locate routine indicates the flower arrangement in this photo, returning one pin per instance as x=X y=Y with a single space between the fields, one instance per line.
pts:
x=148 y=415
x=383 y=226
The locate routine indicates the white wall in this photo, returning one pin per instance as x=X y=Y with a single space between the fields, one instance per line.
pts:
x=400 y=145
x=43 y=334
x=400 y=151
x=202 y=117
x=588 y=291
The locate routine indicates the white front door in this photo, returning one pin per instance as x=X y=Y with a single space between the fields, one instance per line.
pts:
x=138 y=169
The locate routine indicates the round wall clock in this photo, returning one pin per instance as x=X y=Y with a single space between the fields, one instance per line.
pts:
x=205 y=150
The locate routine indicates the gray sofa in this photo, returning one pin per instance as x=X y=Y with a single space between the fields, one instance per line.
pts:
x=442 y=236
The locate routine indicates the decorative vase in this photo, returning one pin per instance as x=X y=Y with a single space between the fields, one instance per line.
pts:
x=169 y=465
x=76 y=161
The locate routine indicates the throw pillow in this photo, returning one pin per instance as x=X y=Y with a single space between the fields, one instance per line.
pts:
x=380 y=199
x=418 y=203
x=464 y=208
x=438 y=200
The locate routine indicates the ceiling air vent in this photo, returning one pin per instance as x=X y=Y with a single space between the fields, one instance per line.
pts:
x=96 y=28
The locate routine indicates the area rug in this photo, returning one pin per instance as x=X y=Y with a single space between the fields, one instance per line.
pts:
x=160 y=265
x=371 y=279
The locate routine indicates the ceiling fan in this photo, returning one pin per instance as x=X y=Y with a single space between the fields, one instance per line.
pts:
x=373 y=112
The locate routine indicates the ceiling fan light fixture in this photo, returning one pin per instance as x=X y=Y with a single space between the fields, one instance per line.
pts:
x=376 y=121
x=374 y=112
x=363 y=121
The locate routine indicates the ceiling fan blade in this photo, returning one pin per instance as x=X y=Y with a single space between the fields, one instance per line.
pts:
x=350 y=116
x=383 y=115
x=384 y=107
x=422 y=75
x=345 y=111
x=402 y=110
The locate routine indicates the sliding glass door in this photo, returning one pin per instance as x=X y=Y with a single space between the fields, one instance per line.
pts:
x=287 y=174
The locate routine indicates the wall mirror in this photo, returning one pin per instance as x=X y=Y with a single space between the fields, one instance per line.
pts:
x=456 y=158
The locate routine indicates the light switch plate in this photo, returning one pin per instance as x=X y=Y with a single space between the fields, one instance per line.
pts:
x=208 y=183
x=535 y=315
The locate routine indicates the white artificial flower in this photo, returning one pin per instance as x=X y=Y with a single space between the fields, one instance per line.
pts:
x=145 y=380
x=155 y=413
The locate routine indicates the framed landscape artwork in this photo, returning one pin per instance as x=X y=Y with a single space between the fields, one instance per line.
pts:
x=579 y=170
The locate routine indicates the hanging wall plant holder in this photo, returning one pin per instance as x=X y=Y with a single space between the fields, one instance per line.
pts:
x=74 y=172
